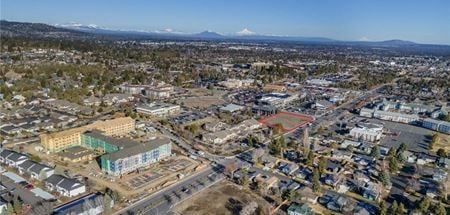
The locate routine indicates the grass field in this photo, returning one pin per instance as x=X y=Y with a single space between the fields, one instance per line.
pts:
x=444 y=142
x=289 y=121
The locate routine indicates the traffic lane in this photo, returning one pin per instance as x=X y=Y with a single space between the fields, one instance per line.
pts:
x=158 y=200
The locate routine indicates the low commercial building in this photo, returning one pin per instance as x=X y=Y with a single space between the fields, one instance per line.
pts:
x=275 y=88
x=158 y=109
x=366 y=133
x=137 y=156
x=77 y=154
x=231 y=108
x=231 y=83
x=219 y=137
x=223 y=136
x=277 y=99
x=117 y=98
x=161 y=91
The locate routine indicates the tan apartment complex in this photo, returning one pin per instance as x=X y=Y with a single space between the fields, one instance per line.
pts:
x=55 y=142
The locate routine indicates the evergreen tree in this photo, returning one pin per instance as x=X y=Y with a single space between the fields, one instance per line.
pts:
x=288 y=194
x=322 y=165
x=393 y=165
x=383 y=208
x=441 y=152
x=424 y=204
x=17 y=205
x=375 y=152
x=310 y=159
x=394 y=208
x=385 y=178
x=439 y=209
x=401 y=209
x=391 y=152
x=316 y=180
x=401 y=148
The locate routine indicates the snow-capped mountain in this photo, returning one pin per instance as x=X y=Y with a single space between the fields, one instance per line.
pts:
x=245 y=32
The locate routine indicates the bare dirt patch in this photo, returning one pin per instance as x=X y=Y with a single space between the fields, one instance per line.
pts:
x=201 y=102
x=224 y=198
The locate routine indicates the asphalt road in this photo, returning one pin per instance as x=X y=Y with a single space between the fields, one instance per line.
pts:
x=161 y=201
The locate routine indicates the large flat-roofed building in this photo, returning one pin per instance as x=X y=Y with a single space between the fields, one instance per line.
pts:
x=158 y=109
x=367 y=133
x=389 y=116
x=96 y=140
x=395 y=117
x=58 y=141
x=139 y=155
x=277 y=99
x=437 y=125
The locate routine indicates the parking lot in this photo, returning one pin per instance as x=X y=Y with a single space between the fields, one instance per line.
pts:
x=416 y=138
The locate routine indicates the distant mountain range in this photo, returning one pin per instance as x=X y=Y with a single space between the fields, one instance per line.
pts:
x=76 y=30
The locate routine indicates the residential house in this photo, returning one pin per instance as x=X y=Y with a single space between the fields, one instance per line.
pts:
x=410 y=157
x=334 y=166
x=423 y=159
x=341 y=155
x=35 y=170
x=65 y=186
x=12 y=158
x=299 y=209
x=371 y=191
x=333 y=180
x=289 y=169
x=266 y=181
x=307 y=194
x=91 y=204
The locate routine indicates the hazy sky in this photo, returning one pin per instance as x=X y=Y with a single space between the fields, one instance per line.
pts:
x=425 y=21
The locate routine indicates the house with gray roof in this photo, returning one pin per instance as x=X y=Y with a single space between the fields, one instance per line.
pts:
x=35 y=170
x=12 y=158
x=64 y=186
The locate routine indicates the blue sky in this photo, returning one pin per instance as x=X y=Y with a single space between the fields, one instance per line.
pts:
x=425 y=21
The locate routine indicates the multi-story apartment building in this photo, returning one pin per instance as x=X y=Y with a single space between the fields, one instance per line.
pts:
x=133 y=157
x=389 y=116
x=96 y=140
x=58 y=141
x=437 y=125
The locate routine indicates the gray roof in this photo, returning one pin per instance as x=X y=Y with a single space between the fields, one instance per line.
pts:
x=137 y=149
x=78 y=206
x=63 y=182
x=119 y=142
x=5 y=153
x=54 y=179
x=27 y=164
x=16 y=157
x=37 y=168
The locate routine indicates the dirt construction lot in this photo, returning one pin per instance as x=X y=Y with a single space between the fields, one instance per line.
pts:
x=289 y=121
x=221 y=199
